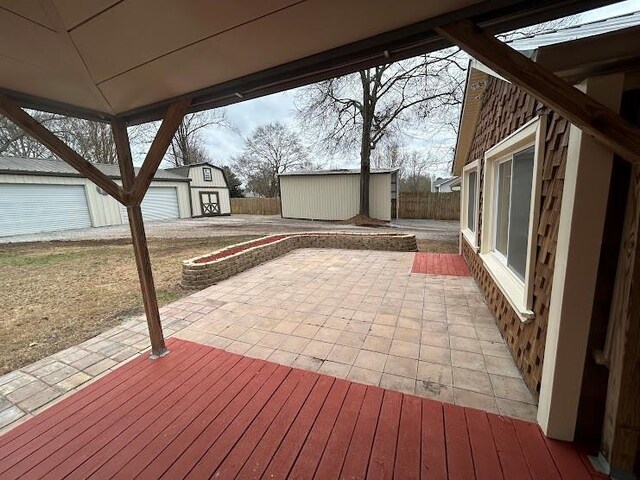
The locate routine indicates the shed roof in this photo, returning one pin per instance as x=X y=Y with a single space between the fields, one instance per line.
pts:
x=184 y=169
x=338 y=171
x=131 y=58
x=58 y=168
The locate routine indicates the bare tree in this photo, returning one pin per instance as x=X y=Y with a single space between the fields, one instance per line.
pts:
x=270 y=150
x=187 y=146
x=367 y=108
x=14 y=142
x=92 y=140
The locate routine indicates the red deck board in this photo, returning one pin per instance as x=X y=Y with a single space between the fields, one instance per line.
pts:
x=176 y=448
x=282 y=381
x=117 y=432
x=42 y=452
x=258 y=389
x=483 y=448
x=269 y=443
x=357 y=459
x=407 y=465
x=317 y=440
x=510 y=453
x=440 y=264
x=433 y=455
x=146 y=454
x=201 y=412
x=338 y=444
x=160 y=423
x=535 y=450
x=142 y=431
x=286 y=455
x=25 y=433
x=459 y=459
x=383 y=453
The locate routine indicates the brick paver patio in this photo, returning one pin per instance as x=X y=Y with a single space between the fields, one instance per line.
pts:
x=359 y=315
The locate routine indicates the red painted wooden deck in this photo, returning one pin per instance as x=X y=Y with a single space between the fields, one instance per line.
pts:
x=202 y=412
x=440 y=264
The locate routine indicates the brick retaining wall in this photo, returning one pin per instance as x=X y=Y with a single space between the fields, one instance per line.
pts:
x=197 y=274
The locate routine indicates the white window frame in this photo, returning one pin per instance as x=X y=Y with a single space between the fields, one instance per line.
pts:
x=471 y=236
x=205 y=171
x=518 y=292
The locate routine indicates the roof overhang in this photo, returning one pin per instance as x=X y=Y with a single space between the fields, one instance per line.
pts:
x=573 y=61
x=131 y=58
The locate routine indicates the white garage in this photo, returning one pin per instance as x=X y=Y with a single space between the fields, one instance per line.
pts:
x=33 y=208
x=47 y=195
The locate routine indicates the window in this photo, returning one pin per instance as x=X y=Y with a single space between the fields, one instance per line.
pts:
x=469 y=217
x=510 y=213
x=207 y=174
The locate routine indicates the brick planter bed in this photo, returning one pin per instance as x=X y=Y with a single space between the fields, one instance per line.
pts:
x=205 y=270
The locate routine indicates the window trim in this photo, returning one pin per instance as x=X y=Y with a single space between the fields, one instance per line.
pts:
x=518 y=292
x=471 y=236
x=204 y=174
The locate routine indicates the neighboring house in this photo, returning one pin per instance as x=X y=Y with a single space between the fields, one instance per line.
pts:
x=48 y=195
x=543 y=225
x=446 y=185
x=209 y=189
x=335 y=194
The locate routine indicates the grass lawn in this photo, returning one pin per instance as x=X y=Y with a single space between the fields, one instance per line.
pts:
x=55 y=295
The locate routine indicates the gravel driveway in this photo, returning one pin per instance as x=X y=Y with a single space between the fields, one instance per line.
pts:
x=240 y=225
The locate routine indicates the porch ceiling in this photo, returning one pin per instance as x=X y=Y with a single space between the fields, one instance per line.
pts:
x=131 y=57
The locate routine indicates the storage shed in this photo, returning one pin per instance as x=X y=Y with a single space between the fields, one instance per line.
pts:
x=46 y=195
x=335 y=194
x=209 y=189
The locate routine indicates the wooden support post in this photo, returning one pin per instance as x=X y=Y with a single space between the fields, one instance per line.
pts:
x=621 y=429
x=170 y=123
x=587 y=114
x=32 y=127
x=139 y=239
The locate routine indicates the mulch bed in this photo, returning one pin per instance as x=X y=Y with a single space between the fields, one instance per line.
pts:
x=239 y=248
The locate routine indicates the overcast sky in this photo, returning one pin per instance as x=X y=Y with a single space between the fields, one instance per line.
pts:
x=223 y=144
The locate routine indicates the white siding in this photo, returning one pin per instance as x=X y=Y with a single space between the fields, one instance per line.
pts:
x=197 y=177
x=223 y=195
x=334 y=196
x=34 y=208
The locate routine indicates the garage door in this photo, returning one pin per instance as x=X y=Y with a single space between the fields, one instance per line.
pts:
x=159 y=203
x=29 y=208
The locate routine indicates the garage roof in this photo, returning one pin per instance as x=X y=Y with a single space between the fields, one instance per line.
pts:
x=131 y=58
x=58 y=168
x=338 y=171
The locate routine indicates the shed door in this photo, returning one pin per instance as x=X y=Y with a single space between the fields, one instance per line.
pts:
x=210 y=204
x=159 y=203
x=31 y=208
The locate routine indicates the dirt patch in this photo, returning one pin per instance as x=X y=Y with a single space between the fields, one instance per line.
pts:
x=438 y=246
x=365 y=221
x=58 y=294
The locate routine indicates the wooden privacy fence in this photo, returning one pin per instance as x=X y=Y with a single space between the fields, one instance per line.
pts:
x=436 y=206
x=256 y=206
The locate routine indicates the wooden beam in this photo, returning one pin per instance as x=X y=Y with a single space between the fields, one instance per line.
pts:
x=36 y=130
x=170 y=123
x=589 y=115
x=138 y=236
